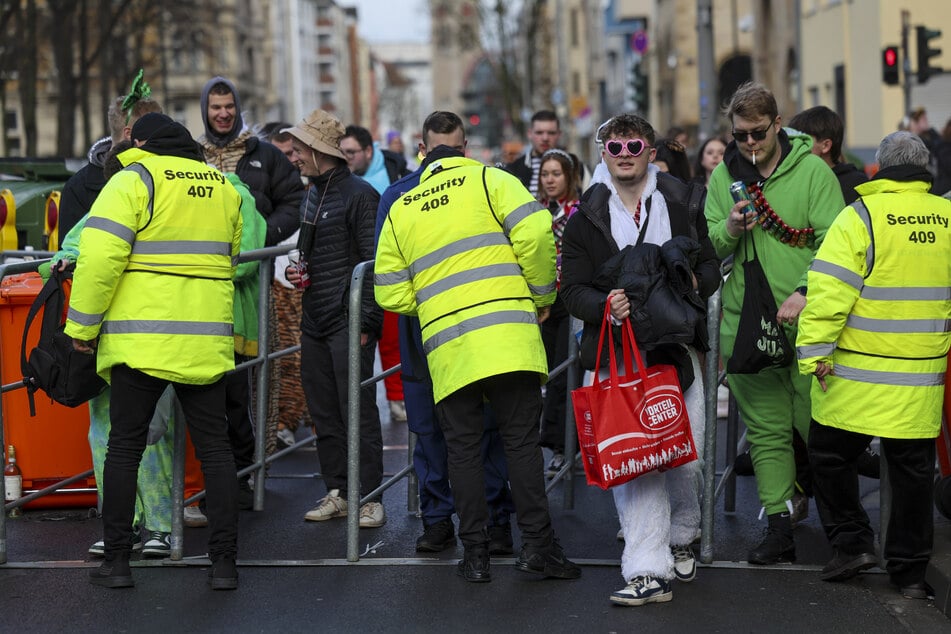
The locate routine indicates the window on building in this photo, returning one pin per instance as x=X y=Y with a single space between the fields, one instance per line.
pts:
x=10 y=120
x=573 y=28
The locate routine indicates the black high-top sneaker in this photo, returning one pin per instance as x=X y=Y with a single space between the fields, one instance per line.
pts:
x=777 y=545
x=114 y=572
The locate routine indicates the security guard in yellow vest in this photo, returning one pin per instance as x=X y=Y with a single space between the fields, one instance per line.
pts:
x=875 y=332
x=153 y=286
x=472 y=254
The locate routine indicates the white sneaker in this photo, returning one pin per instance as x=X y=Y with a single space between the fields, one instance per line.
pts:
x=194 y=518
x=286 y=437
x=372 y=515
x=555 y=464
x=643 y=590
x=331 y=506
x=685 y=564
x=397 y=412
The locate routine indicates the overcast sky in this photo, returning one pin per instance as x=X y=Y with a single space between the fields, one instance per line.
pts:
x=392 y=20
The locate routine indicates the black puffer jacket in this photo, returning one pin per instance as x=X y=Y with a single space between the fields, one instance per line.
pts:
x=344 y=206
x=664 y=306
x=588 y=245
x=276 y=186
x=82 y=188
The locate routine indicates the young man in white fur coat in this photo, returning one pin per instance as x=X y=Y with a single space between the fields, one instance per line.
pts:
x=631 y=202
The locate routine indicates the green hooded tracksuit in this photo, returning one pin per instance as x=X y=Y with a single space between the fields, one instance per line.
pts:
x=804 y=192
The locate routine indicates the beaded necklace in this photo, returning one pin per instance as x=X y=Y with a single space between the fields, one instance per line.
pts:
x=772 y=224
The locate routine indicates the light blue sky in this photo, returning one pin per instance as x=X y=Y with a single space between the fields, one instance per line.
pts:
x=392 y=20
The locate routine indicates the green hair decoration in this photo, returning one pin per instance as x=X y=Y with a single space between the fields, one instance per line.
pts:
x=140 y=90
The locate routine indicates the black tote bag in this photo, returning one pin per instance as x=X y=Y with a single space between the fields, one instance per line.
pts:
x=760 y=340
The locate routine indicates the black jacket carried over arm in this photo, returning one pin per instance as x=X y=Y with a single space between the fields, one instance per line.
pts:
x=276 y=186
x=588 y=245
x=344 y=207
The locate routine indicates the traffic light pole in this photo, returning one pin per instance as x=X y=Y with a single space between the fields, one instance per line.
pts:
x=708 y=105
x=906 y=61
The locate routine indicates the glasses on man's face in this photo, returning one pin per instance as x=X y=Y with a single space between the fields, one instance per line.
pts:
x=351 y=152
x=758 y=135
x=635 y=147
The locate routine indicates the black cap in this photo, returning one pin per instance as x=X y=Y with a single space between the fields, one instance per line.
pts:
x=148 y=124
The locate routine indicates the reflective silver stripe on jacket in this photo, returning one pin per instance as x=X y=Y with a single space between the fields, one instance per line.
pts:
x=904 y=379
x=838 y=272
x=902 y=293
x=505 y=269
x=182 y=247
x=162 y=327
x=389 y=279
x=146 y=177
x=903 y=326
x=520 y=214
x=111 y=227
x=458 y=247
x=83 y=319
x=542 y=290
x=815 y=350
x=472 y=324
x=862 y=211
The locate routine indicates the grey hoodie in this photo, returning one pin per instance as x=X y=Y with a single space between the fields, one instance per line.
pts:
x=216 y=139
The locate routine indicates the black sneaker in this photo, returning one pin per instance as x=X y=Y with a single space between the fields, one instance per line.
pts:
x=548 y=561
x=844 y=566
x=113 y=573
x=437 y=537
x=919 y=590
x=500 y=540
x=223 y=574
x=778 y=545
x=474 y=565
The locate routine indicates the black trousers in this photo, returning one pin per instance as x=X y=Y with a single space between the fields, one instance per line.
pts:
x=323 y=371
x=240 y=419
x=516 y=401
x=833 y=454
x=132 y=403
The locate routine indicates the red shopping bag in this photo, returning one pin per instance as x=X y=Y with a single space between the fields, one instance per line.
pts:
x=632 y=424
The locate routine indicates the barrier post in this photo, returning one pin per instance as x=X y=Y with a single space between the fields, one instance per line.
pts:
x=571 y=433
x=711 y=385
x=265 y=275
x=178 y=480
x=353 y=412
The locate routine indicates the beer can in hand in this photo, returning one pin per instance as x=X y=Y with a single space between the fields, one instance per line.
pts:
x=301 y=265
x=739 y=192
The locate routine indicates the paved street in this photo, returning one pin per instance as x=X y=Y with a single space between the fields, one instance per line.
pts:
x=295 y=578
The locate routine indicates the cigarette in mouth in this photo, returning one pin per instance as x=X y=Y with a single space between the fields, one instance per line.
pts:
x=753 y=152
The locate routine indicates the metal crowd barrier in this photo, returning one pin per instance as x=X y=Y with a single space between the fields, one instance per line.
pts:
x=265 y=356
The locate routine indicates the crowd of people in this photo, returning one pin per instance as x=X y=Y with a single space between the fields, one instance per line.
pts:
x=479 y=273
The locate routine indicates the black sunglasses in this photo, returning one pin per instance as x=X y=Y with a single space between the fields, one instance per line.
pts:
x=758 y=135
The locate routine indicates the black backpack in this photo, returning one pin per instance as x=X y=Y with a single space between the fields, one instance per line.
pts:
x=65 y=374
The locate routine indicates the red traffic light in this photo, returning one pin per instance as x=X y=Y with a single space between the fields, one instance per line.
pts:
x=474 y=119
x=891 y=56
x=890 y=66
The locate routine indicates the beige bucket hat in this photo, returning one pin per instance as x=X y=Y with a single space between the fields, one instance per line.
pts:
x=320 y=130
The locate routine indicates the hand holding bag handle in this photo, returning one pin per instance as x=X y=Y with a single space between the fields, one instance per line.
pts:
x=627 y=336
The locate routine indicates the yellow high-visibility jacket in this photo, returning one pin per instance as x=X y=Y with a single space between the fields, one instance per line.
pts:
x=154 y=276
x=472 y=253
x=879 y=312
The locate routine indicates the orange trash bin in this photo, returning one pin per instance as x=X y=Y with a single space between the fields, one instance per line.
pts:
x=53 y=445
